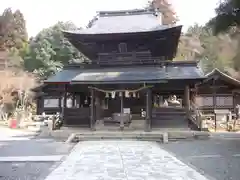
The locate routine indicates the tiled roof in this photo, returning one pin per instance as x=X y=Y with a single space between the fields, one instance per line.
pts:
x=124 y=22
x=138 y=74
x=64 y=76
x=133 y=74
x=227 y=78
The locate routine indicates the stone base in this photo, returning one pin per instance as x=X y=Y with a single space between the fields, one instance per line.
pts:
x=158 y=136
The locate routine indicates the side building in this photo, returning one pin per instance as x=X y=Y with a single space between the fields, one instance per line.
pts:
x=218 y=91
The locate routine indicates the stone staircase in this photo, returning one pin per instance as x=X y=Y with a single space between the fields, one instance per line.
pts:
x=157 y=135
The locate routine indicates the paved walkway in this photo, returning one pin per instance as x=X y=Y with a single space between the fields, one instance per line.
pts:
x=122 y=160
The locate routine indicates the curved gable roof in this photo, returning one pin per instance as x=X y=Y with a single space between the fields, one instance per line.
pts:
x=216 y=72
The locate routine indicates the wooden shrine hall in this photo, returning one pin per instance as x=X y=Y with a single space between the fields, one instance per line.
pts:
x=131 y=79
x=217 y=91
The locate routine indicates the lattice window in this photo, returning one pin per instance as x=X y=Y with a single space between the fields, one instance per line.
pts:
x=224 y=101
x=204 y=101
x=122 y=47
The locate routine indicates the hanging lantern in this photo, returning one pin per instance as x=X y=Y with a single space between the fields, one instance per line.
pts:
x=138 y=95
x=113 y=94
x=127 y=94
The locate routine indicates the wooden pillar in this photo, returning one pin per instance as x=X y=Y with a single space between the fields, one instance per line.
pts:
x=98 y=105
x=234 y=100
x=148 y=110
x=214 y=94
x=64 y=106
x=40 y=105
x=93 y=110
x=187 y=99
x=122 y=105
x=60 y=102
x=79 y=101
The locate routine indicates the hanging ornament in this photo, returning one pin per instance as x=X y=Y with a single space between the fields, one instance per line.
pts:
x=138 y=95
x=134 y=94
x=106 y=95
x=120 y=94
x=165 y=103
x=127 y=94
x=113 y=94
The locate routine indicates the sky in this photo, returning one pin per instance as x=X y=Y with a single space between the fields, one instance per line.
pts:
x=41 y=14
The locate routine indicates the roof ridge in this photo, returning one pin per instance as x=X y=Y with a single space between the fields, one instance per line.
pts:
x=126 y=12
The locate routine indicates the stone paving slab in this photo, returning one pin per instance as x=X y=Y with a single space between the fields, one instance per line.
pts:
x=51 y=158
x=122 y=160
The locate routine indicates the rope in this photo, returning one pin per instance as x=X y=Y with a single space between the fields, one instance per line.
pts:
x=117 y=90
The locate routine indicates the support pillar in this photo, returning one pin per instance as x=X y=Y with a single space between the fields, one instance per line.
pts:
x=93 y=110
x=98 y=106
x=40 y=104
x=148 y=110
x=121 y=101
x=214 y=94
x=187 y=99
x=64 y=105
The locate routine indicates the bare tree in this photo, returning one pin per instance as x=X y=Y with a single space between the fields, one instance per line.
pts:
x=168 y=14
x=15 y=91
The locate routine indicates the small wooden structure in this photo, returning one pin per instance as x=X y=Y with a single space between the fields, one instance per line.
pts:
x=131 y=68
x=218 y=91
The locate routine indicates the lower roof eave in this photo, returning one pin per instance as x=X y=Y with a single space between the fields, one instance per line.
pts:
x=56 y=82
x=119 y=82
x=133 y=82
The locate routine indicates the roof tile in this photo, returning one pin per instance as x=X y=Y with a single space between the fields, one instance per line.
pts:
x=123 y=22
x=115 y=75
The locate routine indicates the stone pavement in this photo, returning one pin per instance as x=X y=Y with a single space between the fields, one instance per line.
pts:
x=7 y=134
x=26 y=157
x=122 y=160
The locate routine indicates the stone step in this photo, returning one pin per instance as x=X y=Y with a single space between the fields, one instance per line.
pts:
x=168 y=109
x=169 y=113
x=144 y=136
x=170 y=118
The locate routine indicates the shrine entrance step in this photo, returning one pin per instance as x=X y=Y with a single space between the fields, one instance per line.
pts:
x=159 y=136
x=135 y=124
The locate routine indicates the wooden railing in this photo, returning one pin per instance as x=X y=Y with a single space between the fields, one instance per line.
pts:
x=127 y=58
x=150 y=61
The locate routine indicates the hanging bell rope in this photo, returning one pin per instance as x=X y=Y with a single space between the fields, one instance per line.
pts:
x=118 y=90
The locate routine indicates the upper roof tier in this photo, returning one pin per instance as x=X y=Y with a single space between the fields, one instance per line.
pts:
x=137 y=28
x=127 y=21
